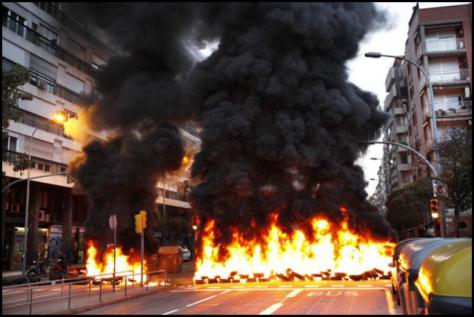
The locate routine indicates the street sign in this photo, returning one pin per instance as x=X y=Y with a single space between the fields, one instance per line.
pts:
x=113 y=222
x=439 y=188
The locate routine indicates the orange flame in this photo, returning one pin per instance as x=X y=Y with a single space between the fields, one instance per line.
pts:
x=125 y=265
x=331 y=249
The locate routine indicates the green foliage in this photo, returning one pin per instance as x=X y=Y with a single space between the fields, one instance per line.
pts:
x=408 y=206
x=456 y=169
x=11 y=79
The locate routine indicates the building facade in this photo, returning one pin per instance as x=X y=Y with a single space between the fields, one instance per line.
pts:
x=62 y=56
x=439 y=40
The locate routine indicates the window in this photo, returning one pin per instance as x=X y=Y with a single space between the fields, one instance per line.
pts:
x=441 y=41
x=403 y=158
x=43 y=67
x=444 y=69
x=73 y=83
x=13 y=21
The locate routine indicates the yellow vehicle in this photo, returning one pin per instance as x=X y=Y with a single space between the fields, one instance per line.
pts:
x=445 y=280
x=410 y=261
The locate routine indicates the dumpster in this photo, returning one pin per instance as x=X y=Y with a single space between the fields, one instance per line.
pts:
x=445 y=280
x=410 y=260
x=395 y=268
x=170 y=259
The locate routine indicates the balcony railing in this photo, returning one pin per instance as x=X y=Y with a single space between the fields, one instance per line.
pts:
x=459 y=75
x=47 y=44
x=38 y=163
x=453 y=108
x=445 y=45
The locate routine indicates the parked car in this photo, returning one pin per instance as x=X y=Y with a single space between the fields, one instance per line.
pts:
x=186 y=253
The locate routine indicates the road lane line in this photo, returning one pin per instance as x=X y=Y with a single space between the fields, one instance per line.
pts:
x=171 y=311
x=337 y=285
x=312 y=286
x=200 y=301
x=391 y=305
x=294 y=293
x=364 y=285
x=285 y=286
x=271 y=309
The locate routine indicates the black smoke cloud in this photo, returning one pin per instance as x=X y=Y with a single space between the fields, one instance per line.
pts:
x=281 y=123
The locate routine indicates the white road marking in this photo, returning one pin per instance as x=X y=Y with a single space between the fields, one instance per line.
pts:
x=240 y=286
x=337 y=285
x=171 y=311
x=294 y=293
x=200 y=301
x=271 y=309
x=391 y=305
x=285 y=286
x=364 y=285
x=312 y=286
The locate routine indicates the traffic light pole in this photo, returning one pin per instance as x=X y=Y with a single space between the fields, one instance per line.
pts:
x=442 y=219
x=141 y=257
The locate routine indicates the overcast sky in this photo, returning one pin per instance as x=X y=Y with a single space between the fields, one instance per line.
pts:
x=370 y=73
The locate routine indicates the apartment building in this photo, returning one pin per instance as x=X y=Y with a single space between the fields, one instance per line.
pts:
x=439 y=40
x=62 y=56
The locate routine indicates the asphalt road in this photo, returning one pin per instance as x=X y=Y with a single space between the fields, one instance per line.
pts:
x=315 y=298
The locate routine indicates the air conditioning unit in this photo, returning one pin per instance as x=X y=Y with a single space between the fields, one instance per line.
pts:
x=15 y=208
x=41 y=84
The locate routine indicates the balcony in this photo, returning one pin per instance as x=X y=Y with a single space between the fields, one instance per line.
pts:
x=401 y=129
x=37 y=163
x=445 y=45
x=454 y=109
x=404 y=167
x=47 y=44
x=399 y=111
x=460 y=75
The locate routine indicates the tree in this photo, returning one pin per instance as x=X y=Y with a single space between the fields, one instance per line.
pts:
x=12 y=79
x=409 y=206
x=456 y=170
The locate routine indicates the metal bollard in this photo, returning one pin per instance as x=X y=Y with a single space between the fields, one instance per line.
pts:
x=62 y=287
x=100 y=292
x=69 y=298
x=126 y=286
x=31 y=300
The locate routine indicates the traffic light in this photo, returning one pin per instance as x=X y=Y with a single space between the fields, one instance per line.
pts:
x=138 y=224
x=434 y=208
x=143 y=216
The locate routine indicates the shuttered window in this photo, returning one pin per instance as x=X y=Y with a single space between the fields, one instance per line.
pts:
x=42 y=66
x=73 y=83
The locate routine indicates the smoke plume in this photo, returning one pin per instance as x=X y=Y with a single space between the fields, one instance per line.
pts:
x=281 y=123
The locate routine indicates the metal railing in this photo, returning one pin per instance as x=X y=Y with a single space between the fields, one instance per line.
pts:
x=77 y=287
x=445 y=45
x=47 y=44
x=459 y=75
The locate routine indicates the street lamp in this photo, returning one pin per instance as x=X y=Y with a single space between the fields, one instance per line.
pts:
x=430 y=88
x=433 y=121
x=58 y=117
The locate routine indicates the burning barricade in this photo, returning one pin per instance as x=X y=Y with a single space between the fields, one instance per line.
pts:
x=102 y=268
x=333 y=252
